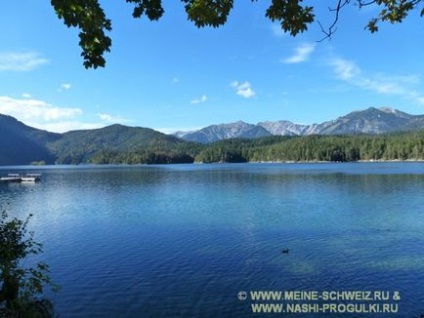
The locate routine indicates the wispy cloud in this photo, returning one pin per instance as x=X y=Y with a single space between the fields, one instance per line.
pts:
x=64 y=87
x=180 y=130
x=116 y=119
x=21 y=62
x=351 y=73
x=243 y=89
x=301 y=53
x=200 y=100
x=345 y=69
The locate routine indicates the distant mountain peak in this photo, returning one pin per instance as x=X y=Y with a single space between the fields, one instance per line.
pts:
x=372 y=120
x=239 y=129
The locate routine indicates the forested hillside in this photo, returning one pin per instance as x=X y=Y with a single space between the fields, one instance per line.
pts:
x=401 y=146
x=121 y=144
x=21 y=144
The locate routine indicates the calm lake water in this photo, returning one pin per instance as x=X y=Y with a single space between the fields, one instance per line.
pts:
x=185 y=240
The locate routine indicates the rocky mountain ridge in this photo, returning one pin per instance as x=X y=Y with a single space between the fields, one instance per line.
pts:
x=370 y=121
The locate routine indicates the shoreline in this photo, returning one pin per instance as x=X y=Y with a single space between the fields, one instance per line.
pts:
x=317 y=161
x=47 y=166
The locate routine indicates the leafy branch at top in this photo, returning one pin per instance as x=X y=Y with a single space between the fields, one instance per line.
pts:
x=293 y=16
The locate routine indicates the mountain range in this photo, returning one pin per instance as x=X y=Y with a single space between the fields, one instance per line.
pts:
x=370 y=121
x=21 y=144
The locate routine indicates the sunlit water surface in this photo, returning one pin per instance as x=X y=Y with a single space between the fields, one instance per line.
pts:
x=184 y=240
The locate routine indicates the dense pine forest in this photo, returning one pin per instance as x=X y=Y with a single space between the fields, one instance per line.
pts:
x=402 y=146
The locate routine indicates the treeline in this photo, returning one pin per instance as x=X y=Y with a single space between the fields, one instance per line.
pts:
x=402 y=146
x=343 y=148
x=140 y=157
x=154 y=154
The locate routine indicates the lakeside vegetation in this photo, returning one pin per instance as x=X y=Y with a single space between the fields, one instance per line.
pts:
x=22 y=286
x=401 y=146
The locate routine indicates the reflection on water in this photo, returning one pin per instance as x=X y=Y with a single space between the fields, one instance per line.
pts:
x=182 y=241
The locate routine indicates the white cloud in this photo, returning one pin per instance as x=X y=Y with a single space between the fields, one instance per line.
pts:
x=64 y=87
x=243 y=89
x=42 y=115
x=410 y=79
x=345 y=69
x=112 y=119
x=21 y=62
x=349 y=72
x=26 y=95
x=30 y=109
x=301 y=53
x=64 y=126
x=170 y=131
x=200 y=100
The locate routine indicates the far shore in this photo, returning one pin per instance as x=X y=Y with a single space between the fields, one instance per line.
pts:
x=32 y=167
x=320 y=161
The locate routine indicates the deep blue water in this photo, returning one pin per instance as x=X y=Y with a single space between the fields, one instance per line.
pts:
x=183 y=240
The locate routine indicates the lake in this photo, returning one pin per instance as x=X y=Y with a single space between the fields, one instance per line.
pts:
x=337 y=240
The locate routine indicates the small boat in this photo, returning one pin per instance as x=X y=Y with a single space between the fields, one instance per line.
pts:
x=31 y=177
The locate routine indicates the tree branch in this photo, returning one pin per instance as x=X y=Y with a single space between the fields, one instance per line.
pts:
x=332 y=28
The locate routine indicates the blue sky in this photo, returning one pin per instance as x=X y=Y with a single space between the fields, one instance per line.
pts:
x=169 y=75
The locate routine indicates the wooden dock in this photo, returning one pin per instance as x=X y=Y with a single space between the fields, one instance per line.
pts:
x=14 y=177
